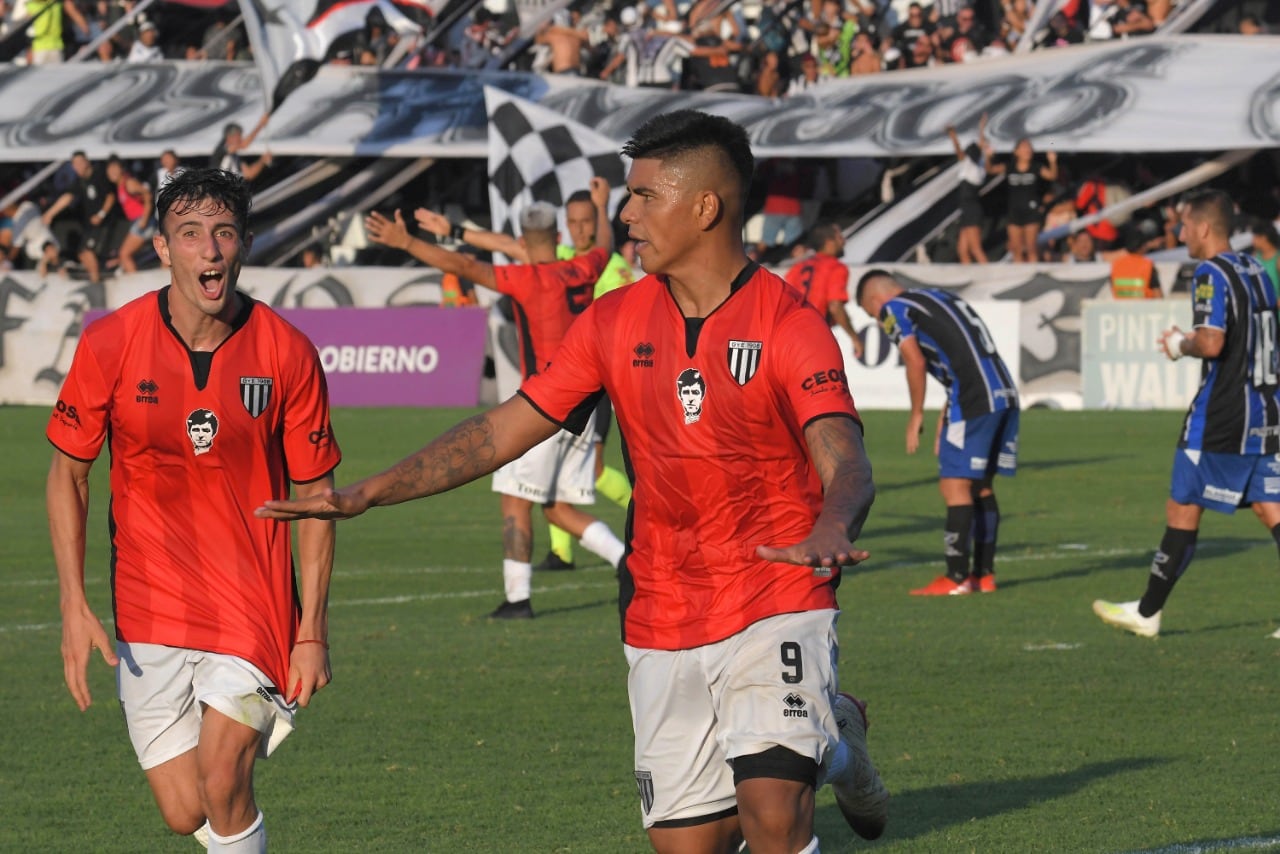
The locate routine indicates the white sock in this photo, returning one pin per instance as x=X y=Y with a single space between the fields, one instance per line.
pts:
x=201 y=835
x=839 y=764
x=251 y=840
x=599 y=539
x=517 y=576
x=811 y=848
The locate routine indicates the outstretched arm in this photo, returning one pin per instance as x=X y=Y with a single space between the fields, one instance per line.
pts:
x=835 y=446
x=469 y=450
x=489 y=241
x=604 y=228
x=67 y=501
x=395 y=233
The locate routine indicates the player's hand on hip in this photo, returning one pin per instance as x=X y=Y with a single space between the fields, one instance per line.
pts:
x=308 y=672
x=329 y=504
x=82 y=633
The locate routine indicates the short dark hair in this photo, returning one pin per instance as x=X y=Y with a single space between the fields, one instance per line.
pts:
x=195 y=187
x=580 y=196
x=1266 y=229
x=1213 y=206
x=203 y=416
x=822 y=232
x=691 y=377
x=684 y=131
x=873 y=273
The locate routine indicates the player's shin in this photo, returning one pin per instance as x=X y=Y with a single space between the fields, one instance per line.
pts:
x=986 y=523
x=1177 y=547
x=956 y=537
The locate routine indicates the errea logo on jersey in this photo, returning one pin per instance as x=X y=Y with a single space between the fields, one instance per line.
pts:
x=795 y=706
x=644 y=355
x=147 y=392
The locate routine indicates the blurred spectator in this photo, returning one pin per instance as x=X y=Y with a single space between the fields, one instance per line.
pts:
x=1266 y=248
x=601 y=53
x=23 y=235
x=312 y=257
x=964 y=39
x=973 y=174
x=808 y=76
x=1081 y=249
x=1090 y=199
x=168 y=167
x=221 y=40
x=82 y=218
x=910 y=31
x=146 y=48
x=1251 y=26
x=226 y=155
x=1133 y=276
x=483 y=39
x=136 y=206
x=769 y=79
x=652 y=58
x=1013 y=25
x=1061 y=32
x=712 y=64
x=564 y=45
x=50 y=260
x=1132 y=19
x=1026 y=181
x=47 y=29
x=866 y=59
x=785 y=186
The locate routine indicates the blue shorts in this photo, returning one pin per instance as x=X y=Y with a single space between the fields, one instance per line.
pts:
x=1224 y=482
x=980 y=447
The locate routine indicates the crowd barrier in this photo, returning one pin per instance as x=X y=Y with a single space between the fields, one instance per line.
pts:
x=411 y=352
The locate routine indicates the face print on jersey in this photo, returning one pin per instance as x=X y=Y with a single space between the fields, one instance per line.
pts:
x=691 y=390
x=202 y=426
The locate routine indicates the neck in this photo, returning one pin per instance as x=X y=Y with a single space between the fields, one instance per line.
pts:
x=199 y=331
x=700 y=289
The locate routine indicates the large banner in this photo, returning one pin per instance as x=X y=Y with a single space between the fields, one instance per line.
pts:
x=1122 y=368
x=1187 y=93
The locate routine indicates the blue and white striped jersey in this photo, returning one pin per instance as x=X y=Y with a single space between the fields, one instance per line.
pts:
x=957 y=348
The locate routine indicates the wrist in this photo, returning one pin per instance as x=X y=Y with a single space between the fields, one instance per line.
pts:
x=1174 y=344
x=458 y=232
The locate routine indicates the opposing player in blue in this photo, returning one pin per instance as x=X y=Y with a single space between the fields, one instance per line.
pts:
x=977 y=436
x=1226 y=455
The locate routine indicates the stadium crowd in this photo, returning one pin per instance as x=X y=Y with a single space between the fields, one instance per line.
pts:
x=89 y=218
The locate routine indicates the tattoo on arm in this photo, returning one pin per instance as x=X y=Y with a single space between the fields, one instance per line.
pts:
x=836 y=449
x=460 y=455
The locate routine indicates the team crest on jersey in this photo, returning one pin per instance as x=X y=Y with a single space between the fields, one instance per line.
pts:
x=744 y=359
x=202 y=426
x=255 y=394
x=691 y=391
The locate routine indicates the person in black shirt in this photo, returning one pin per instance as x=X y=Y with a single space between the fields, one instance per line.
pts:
x=82 y=218
x=906 y=34
x=1025 y=179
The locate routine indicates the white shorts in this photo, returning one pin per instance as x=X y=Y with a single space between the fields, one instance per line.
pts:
x=162 y=689
x=694 y=711
x=563 y=468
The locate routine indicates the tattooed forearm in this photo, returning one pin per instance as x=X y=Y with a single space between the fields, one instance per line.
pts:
x=462 y=454
x=835 y=445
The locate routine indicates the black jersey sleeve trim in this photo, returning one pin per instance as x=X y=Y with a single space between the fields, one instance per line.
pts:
x=823 y=415
x=577 y=420
x=72 y=456
x=321 y=476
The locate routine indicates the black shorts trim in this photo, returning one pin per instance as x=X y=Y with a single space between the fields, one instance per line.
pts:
x=776 y=763
x=697 y=820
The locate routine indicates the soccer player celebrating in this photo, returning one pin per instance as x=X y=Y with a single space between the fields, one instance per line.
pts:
x=1231 y=433
x=977 y=436
x=824 y=279
x=210 y=404
x=749 y=494
x=582 y=217
x=548 y=296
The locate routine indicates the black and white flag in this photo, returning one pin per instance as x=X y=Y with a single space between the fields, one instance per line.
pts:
x=538 y=155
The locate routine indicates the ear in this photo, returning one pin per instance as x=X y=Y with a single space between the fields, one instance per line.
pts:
x=248 y=242
x=708 y=209
x=161 y=245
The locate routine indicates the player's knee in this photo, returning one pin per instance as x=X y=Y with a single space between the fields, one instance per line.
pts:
x=182 y=819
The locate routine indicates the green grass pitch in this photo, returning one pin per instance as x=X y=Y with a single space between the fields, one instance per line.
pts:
x=1010 y=722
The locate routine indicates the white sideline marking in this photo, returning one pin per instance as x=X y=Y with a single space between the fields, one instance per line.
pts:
x=1041 y=647
x=1244 y=843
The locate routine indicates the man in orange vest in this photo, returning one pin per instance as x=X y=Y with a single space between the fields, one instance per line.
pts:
x=1133 y=275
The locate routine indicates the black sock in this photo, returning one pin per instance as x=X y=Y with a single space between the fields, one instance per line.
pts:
x=1275 y=535
x=956 y=537
x=1176 y=550
x=986 y=521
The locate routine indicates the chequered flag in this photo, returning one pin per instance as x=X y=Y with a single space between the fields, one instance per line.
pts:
x=538 y=155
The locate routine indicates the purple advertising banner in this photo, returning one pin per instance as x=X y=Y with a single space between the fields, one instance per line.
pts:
x=414 y=356
x=419 y=356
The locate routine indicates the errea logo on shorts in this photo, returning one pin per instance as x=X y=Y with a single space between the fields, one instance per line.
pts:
x=977 y=463
x=794 y=706
x=1271 y=485
x=1227 y=496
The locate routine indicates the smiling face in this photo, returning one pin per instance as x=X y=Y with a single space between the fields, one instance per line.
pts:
x=202 y=245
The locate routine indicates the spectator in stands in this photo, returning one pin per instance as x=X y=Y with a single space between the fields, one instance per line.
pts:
x=27 y=234
x=1025 y=182
x=50 y=260
x=483 y=39
x=653 y=59
x=224 y=41
x=82 y=217
x=964 y=39
x=973 y=174
x=916 y=26
x=770 y=82
x=712 y=64
x=47 y=29
x=608 y=45
x=1061 y=32
x=1091 y=198
x=1133 y=275
x=1266 y=248
x=136 y=208
x=1081 y=249
x=226 y=155
x=565 y=46
x=168 y=167
x=1014 y=23
x=786 y=185
x=1132 y=19
x=807 y=77
x=312 y=257
x=1251 y=26
x=146 y=48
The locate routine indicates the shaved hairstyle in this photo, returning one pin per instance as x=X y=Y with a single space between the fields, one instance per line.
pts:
x=678 y=134
x=1214 y=207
